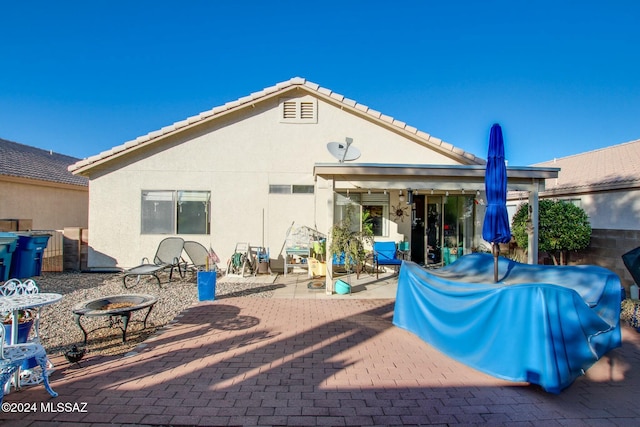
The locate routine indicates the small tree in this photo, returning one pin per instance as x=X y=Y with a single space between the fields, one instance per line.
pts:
x=562 y=227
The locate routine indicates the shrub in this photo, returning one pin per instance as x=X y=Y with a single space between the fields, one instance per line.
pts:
x=562 y=227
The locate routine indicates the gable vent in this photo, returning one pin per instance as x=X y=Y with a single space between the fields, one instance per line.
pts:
x=307 y=110
x=289 y=110
x=299 y=110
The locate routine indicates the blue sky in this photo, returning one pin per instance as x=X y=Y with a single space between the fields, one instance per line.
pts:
x=561 y=77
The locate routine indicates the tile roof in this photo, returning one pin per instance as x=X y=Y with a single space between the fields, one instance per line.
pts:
x=23 y=161
x=610 y=168
x=246 y=101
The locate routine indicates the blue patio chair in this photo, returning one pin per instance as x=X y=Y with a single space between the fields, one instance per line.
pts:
x=385 y=253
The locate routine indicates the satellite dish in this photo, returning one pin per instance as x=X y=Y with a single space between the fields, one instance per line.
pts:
x=343 y=151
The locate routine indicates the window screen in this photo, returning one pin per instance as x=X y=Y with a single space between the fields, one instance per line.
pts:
x=175 y=212
x=157 y=212
x=193 y=212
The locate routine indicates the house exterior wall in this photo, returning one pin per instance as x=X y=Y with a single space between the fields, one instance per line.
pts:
x=50 y=206
x=236 y=157
x=617 y=210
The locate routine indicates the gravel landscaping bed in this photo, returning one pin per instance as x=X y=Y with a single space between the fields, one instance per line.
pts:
x=59 y=332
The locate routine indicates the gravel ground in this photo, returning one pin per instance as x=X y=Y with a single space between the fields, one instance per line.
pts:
x=59 y=332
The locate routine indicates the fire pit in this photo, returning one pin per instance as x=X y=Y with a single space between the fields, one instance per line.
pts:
x=114 y=306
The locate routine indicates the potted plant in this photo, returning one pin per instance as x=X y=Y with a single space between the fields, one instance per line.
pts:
x=26 y=318
x=349 y=241
x=630 y=312
x=25 y=323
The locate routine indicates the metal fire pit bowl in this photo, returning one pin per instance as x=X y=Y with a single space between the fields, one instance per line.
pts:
x=114 y=306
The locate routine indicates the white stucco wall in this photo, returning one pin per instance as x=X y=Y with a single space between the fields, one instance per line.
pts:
x=236 y=158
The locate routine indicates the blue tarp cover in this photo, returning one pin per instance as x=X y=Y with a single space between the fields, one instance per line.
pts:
x=544 y=325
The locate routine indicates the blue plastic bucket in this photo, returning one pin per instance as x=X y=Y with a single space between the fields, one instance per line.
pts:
x=206 y=285
x=343 y=287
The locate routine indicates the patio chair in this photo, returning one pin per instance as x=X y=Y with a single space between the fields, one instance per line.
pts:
x=13 y=356
x=385 y=253
x=168 y=256
x=201 y=258
x=30 y=373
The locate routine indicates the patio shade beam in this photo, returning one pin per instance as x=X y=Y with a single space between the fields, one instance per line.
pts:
x=427 y=177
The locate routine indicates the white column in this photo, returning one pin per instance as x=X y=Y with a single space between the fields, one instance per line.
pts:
x=532 y=256
x=330 y=219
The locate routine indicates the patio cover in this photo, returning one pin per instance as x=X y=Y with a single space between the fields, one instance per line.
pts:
x=430 y=178
x=544 y=325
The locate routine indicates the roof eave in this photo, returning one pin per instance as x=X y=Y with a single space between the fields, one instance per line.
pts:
x=44 y=183
x=591 y=188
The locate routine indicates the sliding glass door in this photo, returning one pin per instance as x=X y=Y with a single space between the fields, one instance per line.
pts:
x=449 y=228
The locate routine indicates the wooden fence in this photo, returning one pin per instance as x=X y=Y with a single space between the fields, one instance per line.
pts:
x=66 y=250
x=53 y=256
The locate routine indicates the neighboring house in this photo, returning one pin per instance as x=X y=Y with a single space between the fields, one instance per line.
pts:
x=247 y=170
x=606 y=184
x=36 y=185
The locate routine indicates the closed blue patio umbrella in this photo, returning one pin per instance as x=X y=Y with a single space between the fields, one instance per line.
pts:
x=496 y=228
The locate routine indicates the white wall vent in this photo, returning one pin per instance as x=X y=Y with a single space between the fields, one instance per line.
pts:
x=299 y=110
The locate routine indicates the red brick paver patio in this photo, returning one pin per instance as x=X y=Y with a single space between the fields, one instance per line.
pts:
x=314 y=362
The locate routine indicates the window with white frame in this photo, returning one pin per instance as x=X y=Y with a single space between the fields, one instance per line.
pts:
x=299 y=110
x=291 y=189
x=373 y=208
x=175 y=212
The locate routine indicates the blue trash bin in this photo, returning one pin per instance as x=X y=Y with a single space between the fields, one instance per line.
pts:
x=8 y=243
x=206 y=285
x=27 y=259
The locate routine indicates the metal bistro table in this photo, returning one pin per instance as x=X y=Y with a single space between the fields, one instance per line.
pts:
x=15 y=303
